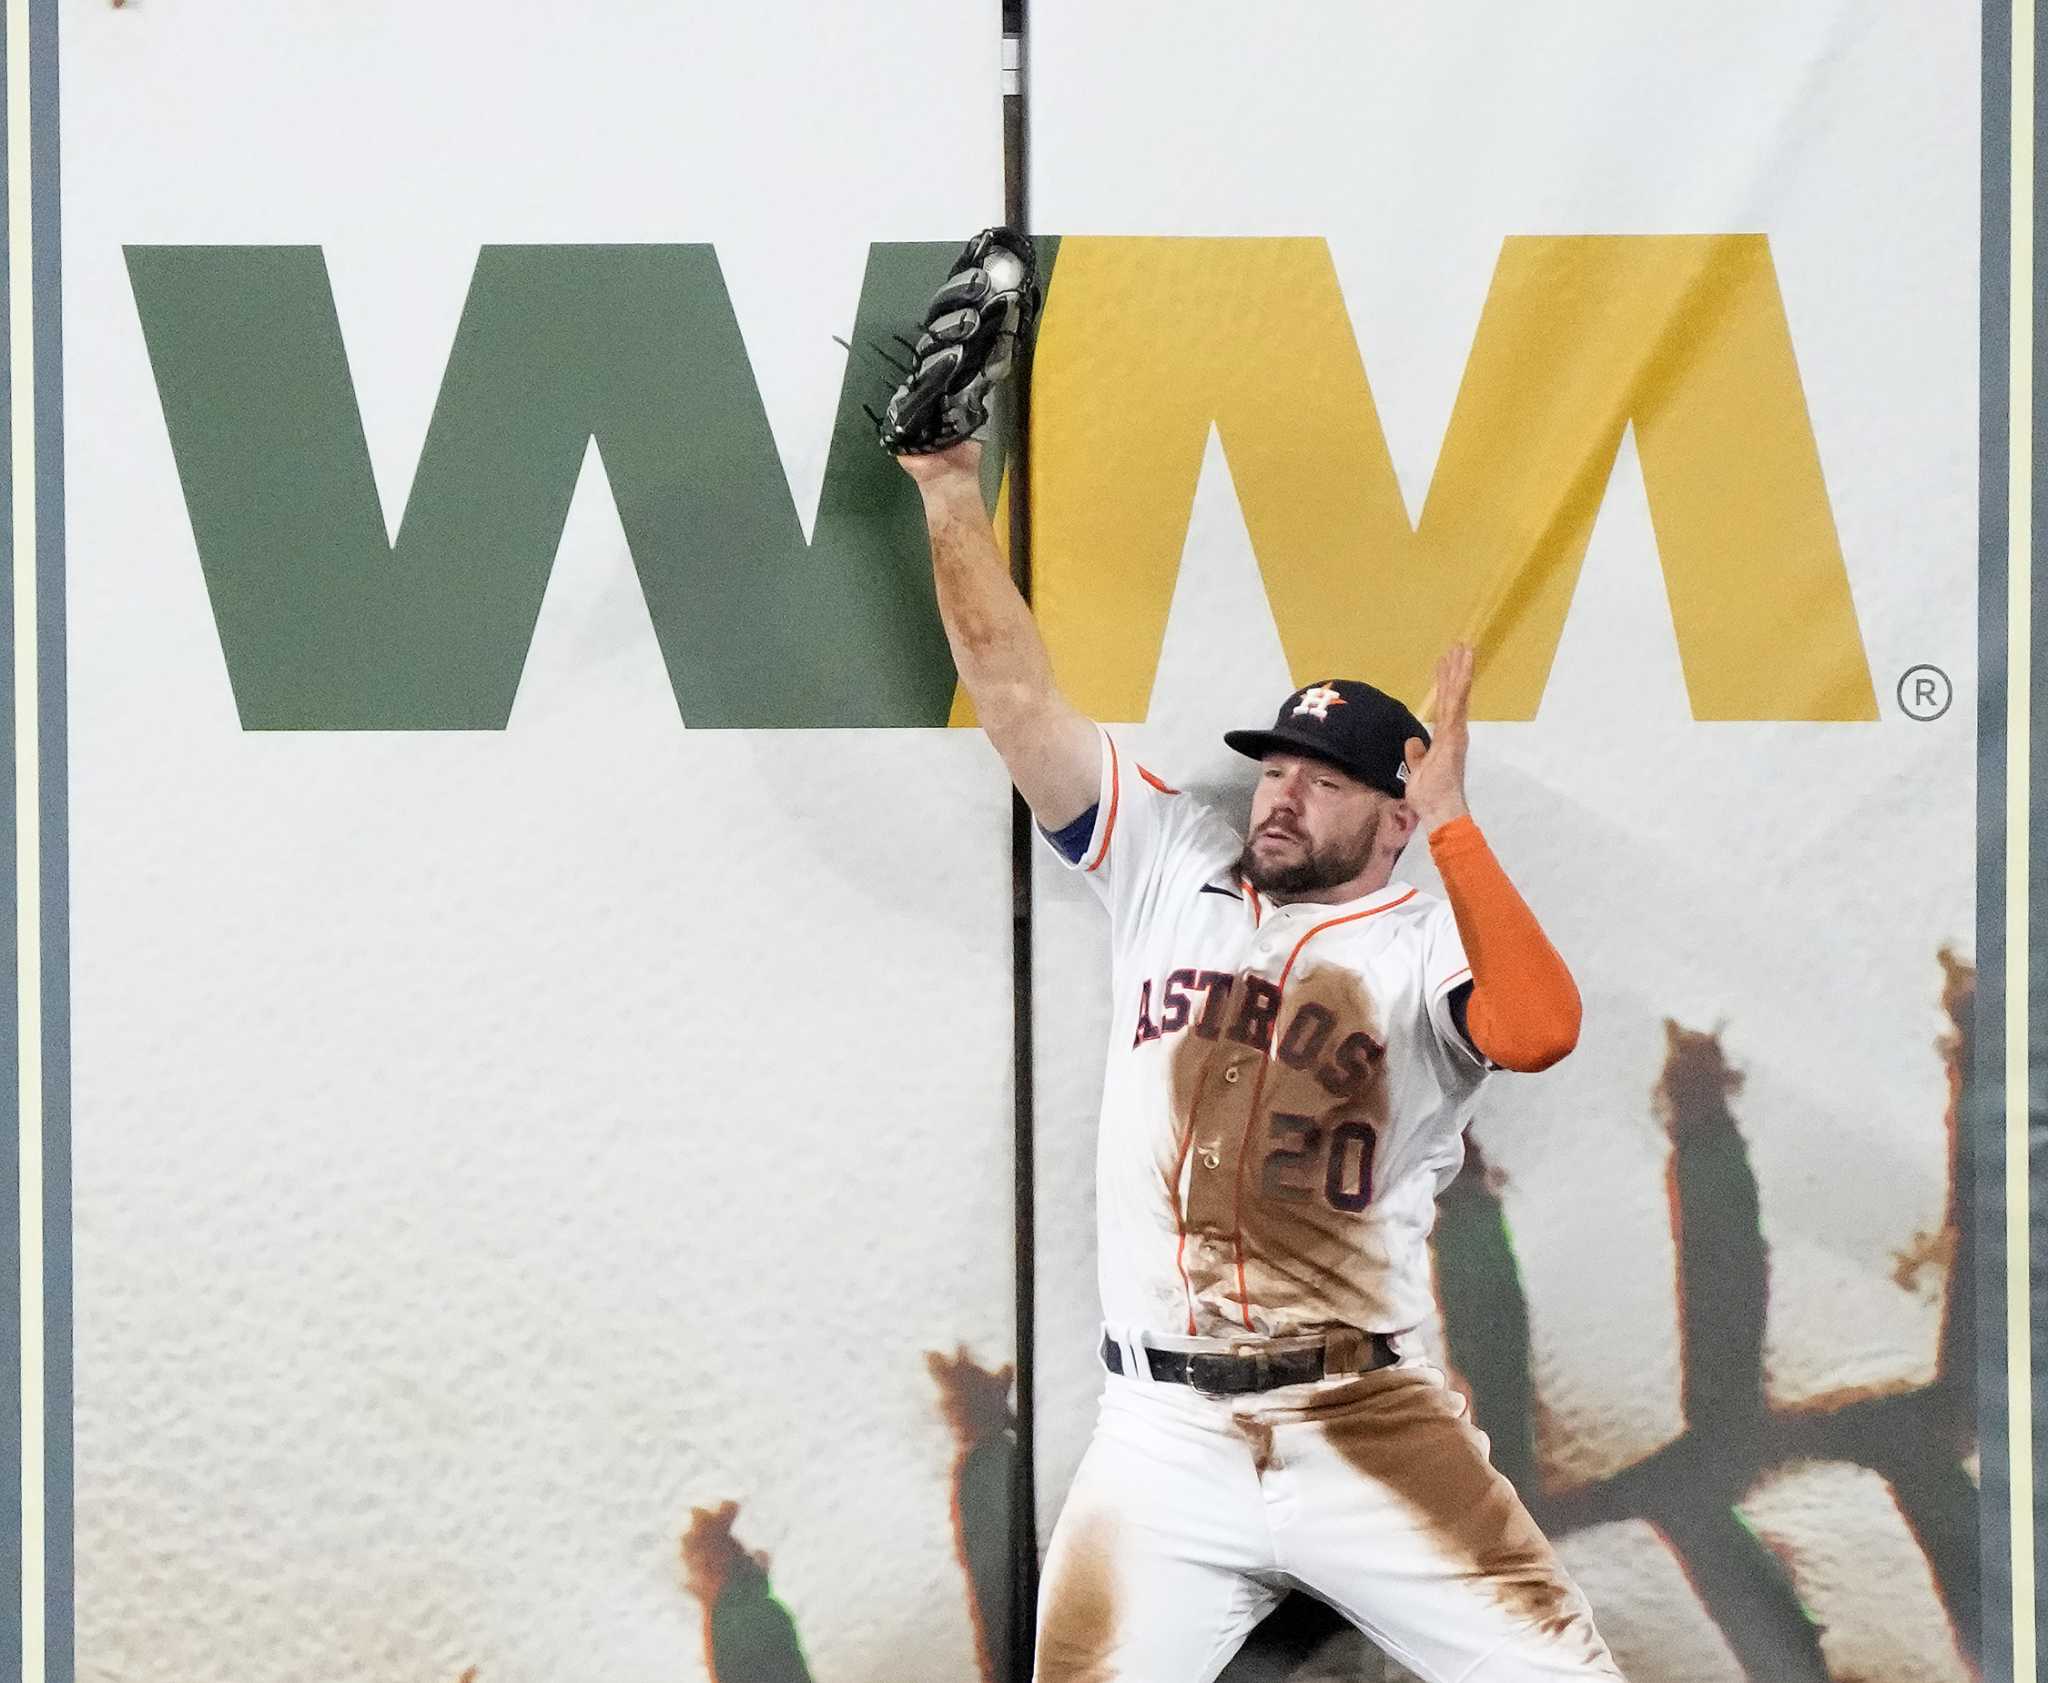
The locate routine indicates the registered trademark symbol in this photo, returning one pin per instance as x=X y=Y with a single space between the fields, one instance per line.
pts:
x=1925 y=692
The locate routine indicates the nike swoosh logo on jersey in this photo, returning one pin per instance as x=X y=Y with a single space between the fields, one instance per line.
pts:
x=1218 y=888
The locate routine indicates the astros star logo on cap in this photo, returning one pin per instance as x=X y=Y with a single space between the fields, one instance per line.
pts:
x=1317 y=702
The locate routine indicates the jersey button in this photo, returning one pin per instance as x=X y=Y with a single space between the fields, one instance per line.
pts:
x=1231 y=1073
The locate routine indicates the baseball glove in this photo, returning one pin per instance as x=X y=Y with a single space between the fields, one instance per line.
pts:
x=971 y=331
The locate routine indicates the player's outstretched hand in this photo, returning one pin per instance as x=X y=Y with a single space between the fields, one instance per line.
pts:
x=1436 y=774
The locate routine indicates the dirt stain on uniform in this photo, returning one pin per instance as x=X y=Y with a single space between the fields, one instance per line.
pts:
x=1298 y=1133
x=1299 y=1139
x=1258 y=1436
x=1077 y=1634
x=1280 y=1104
x=1409 y=1440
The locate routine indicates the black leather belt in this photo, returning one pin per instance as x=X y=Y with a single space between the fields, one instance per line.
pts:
x=1223 y=1373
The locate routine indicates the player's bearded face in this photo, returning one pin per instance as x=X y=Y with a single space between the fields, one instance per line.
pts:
x=1312 y=827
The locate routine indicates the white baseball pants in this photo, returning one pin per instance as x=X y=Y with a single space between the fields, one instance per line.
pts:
x=1191 y=1516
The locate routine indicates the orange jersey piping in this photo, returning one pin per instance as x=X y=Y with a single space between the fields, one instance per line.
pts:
x=1109 y=823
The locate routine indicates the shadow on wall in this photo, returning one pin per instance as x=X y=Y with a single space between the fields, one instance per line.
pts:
x=1920 y=1442
x=1691 y=1490
x=749 y=1636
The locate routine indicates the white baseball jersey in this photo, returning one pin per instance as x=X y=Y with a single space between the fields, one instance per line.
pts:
x=1286 y=1092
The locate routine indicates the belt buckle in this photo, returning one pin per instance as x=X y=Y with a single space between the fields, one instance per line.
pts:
x=1231 y=1364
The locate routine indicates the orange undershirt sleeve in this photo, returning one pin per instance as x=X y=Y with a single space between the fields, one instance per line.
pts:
x=1524 y=1011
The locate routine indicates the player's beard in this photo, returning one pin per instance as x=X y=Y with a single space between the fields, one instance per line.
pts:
x=1316 y=869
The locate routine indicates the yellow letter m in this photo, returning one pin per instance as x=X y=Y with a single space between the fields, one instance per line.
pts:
x=1682 y=337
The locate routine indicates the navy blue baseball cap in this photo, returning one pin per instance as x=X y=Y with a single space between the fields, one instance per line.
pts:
x=1352 y=725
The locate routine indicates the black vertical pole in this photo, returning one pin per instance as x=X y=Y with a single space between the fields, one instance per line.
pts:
x=1984 y=1107
x=1024 y=1486
x=2031 y=775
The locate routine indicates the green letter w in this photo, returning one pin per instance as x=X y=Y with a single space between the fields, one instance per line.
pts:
x=326 y=625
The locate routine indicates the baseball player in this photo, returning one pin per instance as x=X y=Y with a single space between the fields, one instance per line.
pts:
x=1298 y=1042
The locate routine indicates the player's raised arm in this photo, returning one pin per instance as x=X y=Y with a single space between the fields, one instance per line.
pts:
x=1523 y=1011
x=1052 y=750
x=969 y=337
